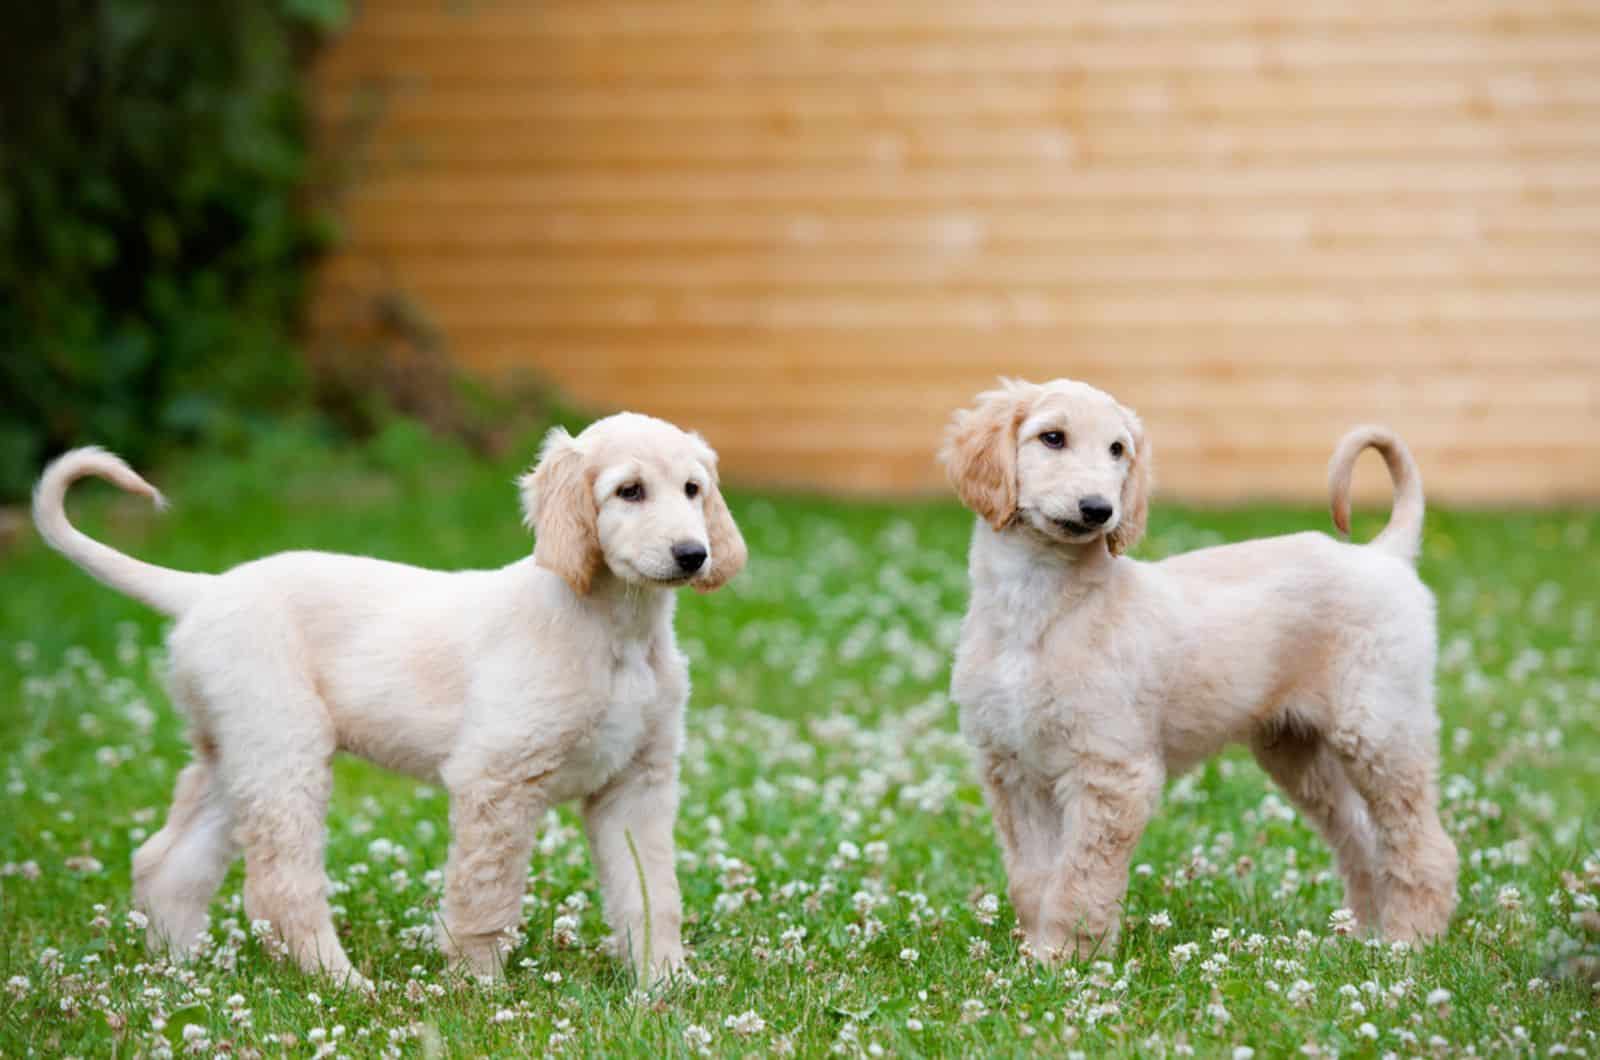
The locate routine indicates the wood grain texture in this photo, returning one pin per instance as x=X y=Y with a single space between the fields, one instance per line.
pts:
x=812 y=229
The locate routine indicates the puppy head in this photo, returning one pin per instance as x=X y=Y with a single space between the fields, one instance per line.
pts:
x=638 y=495
x=1062 y=458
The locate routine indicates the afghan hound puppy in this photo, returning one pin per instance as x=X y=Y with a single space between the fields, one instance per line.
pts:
x=1086 y=679
x=552 y=679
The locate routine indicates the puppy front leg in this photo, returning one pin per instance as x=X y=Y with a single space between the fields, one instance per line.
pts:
x=1028 y=824
x=642 y=803
x=1105 y=805
x=491 y=825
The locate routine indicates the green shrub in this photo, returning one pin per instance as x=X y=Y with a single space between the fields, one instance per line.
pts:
x=154 y=230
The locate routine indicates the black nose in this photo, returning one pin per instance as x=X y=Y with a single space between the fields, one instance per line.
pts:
x=1096 y=510
x=690 y=556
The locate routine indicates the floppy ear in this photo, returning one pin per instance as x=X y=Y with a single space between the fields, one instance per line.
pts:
x=558 y=505
x=726 y=544
x=980 y=454
x=1135 y=491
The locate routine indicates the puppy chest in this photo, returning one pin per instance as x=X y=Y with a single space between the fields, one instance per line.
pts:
x=623 y=717
x=633 y=691
x=1002 y=699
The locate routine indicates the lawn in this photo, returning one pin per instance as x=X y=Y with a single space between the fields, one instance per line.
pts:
x=841 y=881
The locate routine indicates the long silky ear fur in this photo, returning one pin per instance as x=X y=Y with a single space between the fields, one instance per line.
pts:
x=726 y=543
x=980 y=453
x=558 y=505
x=1135 y=491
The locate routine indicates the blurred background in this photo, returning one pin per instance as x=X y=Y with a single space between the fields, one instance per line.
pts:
x=811 y=228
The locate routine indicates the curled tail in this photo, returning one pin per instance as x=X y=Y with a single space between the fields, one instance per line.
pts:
x=164 y=589
x=1403 y=535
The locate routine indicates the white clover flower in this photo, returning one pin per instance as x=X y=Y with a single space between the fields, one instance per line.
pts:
x=1439 y=996
x=696 y=1036
x=988 y=909
x=1342 y=922
x=877 y=852
x=746 y=1024
x=565 y=930
x=909 y=955
x=1182 y=953
x=1367 y=1030
x=1300 y=992
x=1509 y=898
x=849 y=851
x=1160 y=921
x=913 y=1025
x=1242 y=1052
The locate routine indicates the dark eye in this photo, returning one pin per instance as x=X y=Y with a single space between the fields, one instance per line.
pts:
x=691 y=489
x=1116 y=449
x=633 y=491
x=1053 y=439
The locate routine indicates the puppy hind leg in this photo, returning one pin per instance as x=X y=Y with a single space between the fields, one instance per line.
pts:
x=1316 y=783
x=177 y=871
x=286 y=877
x=279 y=768
x=1397 y=774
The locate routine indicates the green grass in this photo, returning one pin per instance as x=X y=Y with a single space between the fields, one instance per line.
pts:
x=834 y=848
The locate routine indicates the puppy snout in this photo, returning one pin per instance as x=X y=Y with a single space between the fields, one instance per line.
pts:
x=689 y=555
x=1096 y=510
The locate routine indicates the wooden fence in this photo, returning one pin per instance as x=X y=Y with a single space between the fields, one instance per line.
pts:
x=811 y=228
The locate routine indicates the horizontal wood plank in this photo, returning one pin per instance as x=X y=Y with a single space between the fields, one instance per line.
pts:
x=812 y=229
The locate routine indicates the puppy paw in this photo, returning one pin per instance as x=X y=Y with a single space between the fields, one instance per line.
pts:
x=665 y=962
x=355 y=981
x=480 y=956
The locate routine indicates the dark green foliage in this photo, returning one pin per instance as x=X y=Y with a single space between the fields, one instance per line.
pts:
x=153 y=228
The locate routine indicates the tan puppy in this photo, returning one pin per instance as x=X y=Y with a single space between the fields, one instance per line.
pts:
x=1086 y=679
x=555 y=678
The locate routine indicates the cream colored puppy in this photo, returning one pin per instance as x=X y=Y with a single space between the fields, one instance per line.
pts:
x=555 y=678
x=1086 y=679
